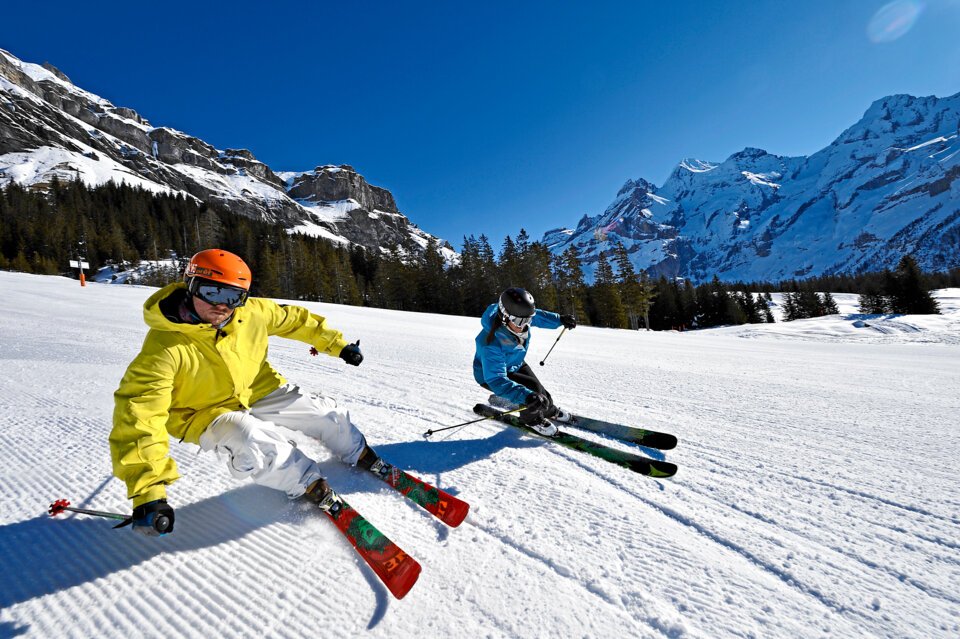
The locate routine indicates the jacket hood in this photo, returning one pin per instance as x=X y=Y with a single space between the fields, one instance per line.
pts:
x=156 y=320
x=486 y=320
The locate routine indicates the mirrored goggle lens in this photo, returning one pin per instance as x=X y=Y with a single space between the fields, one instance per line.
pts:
x=519 y=321
x=211 y=294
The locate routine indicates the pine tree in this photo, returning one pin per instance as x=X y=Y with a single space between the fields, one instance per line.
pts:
x=665 y=308
x=267 y=280
x=628 y=284
x=571 y=286
x=909 y=294
x=433 y=295
x=749 y=308
x=509 y=265
x=768 y=315
x=689 y=305
x=872 y=302
x=541 y=271
x=607 y=304
x=830 y=305
x=790 y=311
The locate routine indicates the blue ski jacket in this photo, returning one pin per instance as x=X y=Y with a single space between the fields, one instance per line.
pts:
x=505 y=354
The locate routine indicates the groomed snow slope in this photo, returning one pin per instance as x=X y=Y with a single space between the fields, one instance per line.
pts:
x=818 y=492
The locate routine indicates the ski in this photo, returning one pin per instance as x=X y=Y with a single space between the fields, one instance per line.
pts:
x=396 y=569
x=630 y=461
x=441 y=504
x=649 y=438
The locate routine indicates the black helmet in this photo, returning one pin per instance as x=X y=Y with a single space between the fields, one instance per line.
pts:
x=516 y=303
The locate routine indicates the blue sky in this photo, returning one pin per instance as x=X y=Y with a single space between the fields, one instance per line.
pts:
x=488 y=117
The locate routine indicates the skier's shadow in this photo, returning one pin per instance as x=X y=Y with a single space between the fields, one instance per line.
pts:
x=45 y=555
x=439 y=456
x=432 y=456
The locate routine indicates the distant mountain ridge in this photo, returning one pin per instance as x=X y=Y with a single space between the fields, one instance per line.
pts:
x=887 y=186
x=51 y=128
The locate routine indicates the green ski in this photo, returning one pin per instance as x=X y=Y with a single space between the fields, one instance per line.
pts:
x=630 y=461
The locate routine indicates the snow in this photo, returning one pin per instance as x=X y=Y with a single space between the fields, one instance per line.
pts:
x=852 y=326
x=311 y=229
x=935 y=140
x=697 y=166
x=818 y=492
x=290 y=176
x=761 y=179
x=656 y=198
x=888 y=176
x=330 y=211
x=237 y=185
x=37 y=73
x=42 y=164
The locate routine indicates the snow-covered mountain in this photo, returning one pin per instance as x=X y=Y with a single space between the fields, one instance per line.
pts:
x=886 y=186
x=51 y=128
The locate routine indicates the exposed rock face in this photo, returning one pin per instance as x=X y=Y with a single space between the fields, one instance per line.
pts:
x=331 y=184
x=64 y=131
x=887 y=186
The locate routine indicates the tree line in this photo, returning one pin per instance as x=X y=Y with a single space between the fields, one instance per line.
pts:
x=121 y=226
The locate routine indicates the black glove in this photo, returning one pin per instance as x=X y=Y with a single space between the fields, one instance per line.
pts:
x=534 y=407
x=351 y=354
x=568 y=321
x=536 y=403
x=153 y=518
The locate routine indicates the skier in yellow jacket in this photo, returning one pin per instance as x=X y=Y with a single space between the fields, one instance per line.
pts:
x=202 y=377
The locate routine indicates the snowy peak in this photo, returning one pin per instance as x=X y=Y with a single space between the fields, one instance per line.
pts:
x=52 y=129
x=887 y=186
x=694 y=166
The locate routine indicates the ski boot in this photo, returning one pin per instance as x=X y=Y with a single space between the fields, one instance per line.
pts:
x=544 y=427
x=320 y=493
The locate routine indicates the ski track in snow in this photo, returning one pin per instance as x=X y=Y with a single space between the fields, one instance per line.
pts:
x=818 y=492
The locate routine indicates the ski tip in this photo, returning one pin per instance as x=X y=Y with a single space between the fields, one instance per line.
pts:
x=403 y=580
x=456 y=513
x=663 y=470
x=665 y=442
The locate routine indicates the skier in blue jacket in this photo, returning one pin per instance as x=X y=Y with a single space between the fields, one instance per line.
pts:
x=499 y=364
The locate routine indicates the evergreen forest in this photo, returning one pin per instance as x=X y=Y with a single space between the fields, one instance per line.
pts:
x=122 y=226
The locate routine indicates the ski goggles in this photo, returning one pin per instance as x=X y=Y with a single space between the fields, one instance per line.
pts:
x=215 y=294
x=519 y=322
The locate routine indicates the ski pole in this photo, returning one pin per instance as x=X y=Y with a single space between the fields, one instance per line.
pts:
x=61 y=505
x=554 y=344
x=482 y=419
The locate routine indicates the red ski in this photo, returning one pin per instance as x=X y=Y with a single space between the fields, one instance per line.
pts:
x=396 y=569
x=441 y=504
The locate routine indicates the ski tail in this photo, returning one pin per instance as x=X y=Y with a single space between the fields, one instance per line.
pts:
x=395 y=568
x=439 y=503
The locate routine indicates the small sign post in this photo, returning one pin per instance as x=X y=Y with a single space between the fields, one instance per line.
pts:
x=80 y=264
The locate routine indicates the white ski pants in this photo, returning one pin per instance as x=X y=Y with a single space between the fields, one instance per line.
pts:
x=256 y=448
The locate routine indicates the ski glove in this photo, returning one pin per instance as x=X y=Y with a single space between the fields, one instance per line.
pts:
x=153 y=518
x=536 y=403
x=351 y=354
x=568 y=321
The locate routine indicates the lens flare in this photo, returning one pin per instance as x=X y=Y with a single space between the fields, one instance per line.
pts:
x=893 y=20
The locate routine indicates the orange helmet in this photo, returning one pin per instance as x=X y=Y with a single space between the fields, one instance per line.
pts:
x=219 y=266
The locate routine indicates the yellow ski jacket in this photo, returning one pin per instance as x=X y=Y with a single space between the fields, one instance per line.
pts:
x=186 y=375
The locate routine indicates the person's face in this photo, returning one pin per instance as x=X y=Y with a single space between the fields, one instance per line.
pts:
x=211 y=313
x=516 y=329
